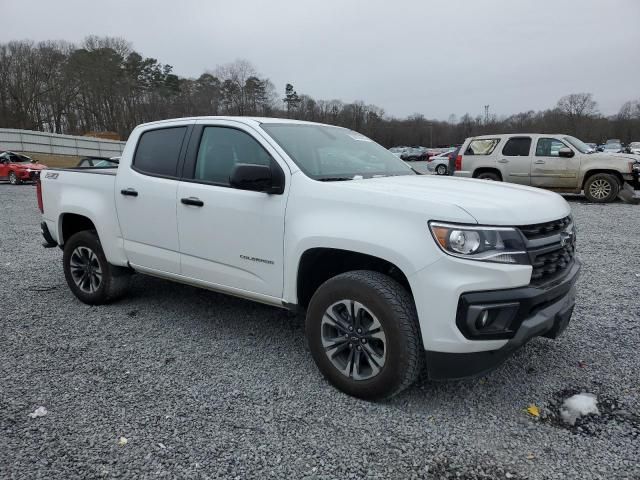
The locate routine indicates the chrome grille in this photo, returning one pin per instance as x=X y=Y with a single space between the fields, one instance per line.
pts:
x=547 y=265
x=551 y=247
x=545 y=229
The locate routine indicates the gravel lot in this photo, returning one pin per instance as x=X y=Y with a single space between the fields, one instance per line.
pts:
x=208 y=386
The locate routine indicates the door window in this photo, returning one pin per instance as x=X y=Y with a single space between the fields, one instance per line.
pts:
x=158 y=151
x=221 y=148
x=517 y=147
x=548 y=147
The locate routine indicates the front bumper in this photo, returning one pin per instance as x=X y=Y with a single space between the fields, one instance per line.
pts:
x=635 y=177
x=541 y=311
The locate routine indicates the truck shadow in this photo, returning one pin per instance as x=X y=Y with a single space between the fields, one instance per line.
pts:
x=274 y=339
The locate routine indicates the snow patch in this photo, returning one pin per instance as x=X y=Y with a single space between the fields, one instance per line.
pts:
x=577 y=406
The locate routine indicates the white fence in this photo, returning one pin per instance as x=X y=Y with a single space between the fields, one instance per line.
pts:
x=56 y=144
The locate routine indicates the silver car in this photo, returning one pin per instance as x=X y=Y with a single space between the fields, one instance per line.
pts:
x=439 y=164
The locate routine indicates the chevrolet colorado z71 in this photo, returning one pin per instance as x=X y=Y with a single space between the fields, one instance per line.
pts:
x=395 y=270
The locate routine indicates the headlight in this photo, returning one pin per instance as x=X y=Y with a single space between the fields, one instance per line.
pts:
x=487 y=244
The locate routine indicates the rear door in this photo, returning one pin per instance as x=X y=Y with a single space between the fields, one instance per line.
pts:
x=549 y=170
x=514 y=161
x=229 y=237
x=145 y=197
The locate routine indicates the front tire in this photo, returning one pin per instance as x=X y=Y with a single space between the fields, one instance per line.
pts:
x=362 y=329
x=13 y=179
x=601 y=188
x=441 y=169
x=89 y=275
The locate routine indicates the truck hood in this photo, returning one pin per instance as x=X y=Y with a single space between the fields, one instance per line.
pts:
x=489 y=203
x=627 y=157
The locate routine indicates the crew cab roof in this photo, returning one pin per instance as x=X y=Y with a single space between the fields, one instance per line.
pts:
x=254 y=121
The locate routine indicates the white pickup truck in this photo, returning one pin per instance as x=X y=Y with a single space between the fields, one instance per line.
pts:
x=395 y=270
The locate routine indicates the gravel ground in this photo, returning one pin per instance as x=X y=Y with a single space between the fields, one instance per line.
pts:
x=208 y=386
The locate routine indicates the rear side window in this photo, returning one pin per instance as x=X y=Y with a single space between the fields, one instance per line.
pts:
x=158 y=151
x=517 y=147
x=221 y=148
x=484 y=146
x=548 y=147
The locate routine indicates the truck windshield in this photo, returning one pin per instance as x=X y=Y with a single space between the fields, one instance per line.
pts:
x=579 y=144
x=328 y=153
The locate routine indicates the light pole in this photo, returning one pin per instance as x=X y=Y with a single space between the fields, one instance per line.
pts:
x=430 y=135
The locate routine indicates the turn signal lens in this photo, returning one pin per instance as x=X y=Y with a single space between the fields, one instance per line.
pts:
x=441 y=235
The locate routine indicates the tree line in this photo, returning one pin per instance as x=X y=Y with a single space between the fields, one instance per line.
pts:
x=104 y=85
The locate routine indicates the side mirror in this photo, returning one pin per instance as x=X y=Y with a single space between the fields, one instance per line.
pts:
x=566 y=152
x=257 y=178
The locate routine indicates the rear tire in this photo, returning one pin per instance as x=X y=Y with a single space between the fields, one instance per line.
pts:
x=89 y=275
x=601 y=188
x=441 y=169
x=13 y=179
x=494 y=177
x=362 y=329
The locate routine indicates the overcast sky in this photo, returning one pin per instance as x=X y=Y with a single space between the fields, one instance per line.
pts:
x=407 y=56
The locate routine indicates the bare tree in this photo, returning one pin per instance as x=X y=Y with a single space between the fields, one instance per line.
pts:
x=577 y=107
x=104 y=84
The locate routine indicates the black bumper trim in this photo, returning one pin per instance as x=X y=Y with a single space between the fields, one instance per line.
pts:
x=530 y=300
x=545 y=311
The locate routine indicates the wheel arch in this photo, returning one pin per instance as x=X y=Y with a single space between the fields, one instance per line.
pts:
x=595 y=171
x=481 y=170
x=72 y=223
x=319 y=264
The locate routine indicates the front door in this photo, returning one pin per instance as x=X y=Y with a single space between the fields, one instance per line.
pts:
x=229 y=237
x=549 y=169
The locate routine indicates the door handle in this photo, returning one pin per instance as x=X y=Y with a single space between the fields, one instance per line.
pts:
x=129 y=192
x=196 y=202
x=539 y=162
x=504 y=160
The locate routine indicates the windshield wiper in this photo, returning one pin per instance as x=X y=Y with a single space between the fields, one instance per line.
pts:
x=334 y=179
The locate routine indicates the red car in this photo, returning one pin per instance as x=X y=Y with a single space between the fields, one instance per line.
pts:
x=18 y=168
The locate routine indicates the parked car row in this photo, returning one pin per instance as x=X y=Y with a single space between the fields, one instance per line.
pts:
x=614 y=145
x=417 y=153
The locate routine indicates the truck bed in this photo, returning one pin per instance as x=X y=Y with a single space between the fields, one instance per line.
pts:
x=88 y=192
